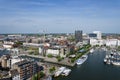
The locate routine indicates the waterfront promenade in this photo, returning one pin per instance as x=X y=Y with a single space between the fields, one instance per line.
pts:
x=64 y=62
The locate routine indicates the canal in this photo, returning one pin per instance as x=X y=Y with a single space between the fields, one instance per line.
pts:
x=93 y=69
x=2 y=52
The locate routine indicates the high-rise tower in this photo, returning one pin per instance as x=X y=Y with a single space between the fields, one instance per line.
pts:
x=78 y=36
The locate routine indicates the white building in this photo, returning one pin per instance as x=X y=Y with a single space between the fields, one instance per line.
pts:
x=112 y=42
x=118 y=42
x=40 y=50
x=12 y=61
x=8 y=42
x=54 y=52
x=61 y=51
x=94 y=42
x=14 y=35
x=32 y=44
x=7 y=46
x=99 y=34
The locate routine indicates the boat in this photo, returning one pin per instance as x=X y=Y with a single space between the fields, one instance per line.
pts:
x=66 y=72
x=106 y=56
x=92 y=50
x=82 y=60
x=116 y=63
x=108 y=61
x=105 y=60
x=1 y=49
x=60 y=70
x=49 y=78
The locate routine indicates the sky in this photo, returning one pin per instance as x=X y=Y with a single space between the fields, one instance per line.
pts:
x=59 y=16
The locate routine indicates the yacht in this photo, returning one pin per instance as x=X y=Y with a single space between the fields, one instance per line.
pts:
x=60 y=70
x=116 y=63
x=82 y=60
x=66 y=72
x=92 y=50
x=1 y=49
x=107 y=56
x=49 y=78
x=108 y=61
x=105 y=60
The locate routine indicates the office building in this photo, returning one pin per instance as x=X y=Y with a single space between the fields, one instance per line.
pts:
x=78 y=36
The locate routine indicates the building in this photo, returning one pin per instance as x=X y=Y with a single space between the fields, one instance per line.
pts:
x=52 y=51
x=26 y=69
x=4 y=61
x=12 y=61
x=94 y=42
x=58 y=50
x=86 y=41
x=99 y=34
x=93 y=35
x=14 y=74
x=112 y=42
x=8 y=44
x=78 y=36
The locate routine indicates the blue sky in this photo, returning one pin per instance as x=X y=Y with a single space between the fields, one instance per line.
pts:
x=54 y=16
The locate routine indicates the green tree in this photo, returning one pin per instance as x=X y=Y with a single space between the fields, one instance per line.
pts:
x=59 y=58
x=52 y=69
x=33 y=77
x=41 y=74
x=1 y=76
x=50 y=55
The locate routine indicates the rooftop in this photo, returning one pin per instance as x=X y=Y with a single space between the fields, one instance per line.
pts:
x=21 y=63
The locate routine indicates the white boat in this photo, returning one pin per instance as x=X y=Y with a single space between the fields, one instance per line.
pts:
x=82 y=60
x=92 y=50
x=106 y=56
x=105 y=60
x=116 y=63
x=66 y=72
x=1 y=49
x=108 y=61
x=60 y=70
x=49 y=78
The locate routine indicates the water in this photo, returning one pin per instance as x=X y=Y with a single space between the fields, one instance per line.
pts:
x=2 y=52
x=93 y=69
x=31 y=58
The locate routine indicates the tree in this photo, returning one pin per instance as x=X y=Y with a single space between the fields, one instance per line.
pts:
x=1 y=76
x=49 y=55
x=33 y=77
x=17 y=44
x=59 y=58
x=52 y=69
x=41 y=74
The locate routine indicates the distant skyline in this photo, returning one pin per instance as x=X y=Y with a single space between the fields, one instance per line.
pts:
x=59 y=16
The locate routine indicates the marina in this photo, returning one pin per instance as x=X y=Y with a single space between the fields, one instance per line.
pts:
x=113 y=58
x=93 y=69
